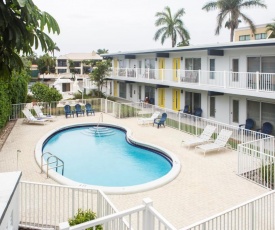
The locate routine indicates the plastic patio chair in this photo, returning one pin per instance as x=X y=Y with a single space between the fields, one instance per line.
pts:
x=78 y=110
x=205 y=136
x=219 y=143
x=68 y=111
x=161 y=121
x=267 y=128
x=89 y=109
x=148 y=120
x=31 y=119
x=40 y=114
x=197 y=112
x=249 y=124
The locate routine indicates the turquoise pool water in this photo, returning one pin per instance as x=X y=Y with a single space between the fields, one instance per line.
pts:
x=105 y=160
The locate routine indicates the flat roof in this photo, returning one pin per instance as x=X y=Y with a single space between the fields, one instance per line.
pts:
x=228 y=45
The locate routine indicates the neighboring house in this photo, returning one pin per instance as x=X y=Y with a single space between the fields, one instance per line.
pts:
x=79 y=67
x=245 y=33
x=230 y=81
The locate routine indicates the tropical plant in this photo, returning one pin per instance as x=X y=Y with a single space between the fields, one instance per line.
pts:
x=22 y=28
x=271 y=28
x=100 y=72
x=84 y=216
x=102 y=51
x=42 y=92
x=46 y=63
x=230 y=10
x=173 y=26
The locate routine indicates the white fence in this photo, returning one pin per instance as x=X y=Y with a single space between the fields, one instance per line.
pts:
x=45 y=205
x=256 y=214
x=256 y=160
x=141 y=217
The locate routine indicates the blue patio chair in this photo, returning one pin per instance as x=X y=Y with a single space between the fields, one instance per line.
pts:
x=249 y=124
x=68 y=111
x=161 y=121
x=79 y=110
x=89 y=109
x=185 y=110
x=197 y=112
x=267 y=128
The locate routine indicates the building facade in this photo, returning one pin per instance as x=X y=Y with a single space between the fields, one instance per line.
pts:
x=245 y=33
x=230 y=82
x=79 y=63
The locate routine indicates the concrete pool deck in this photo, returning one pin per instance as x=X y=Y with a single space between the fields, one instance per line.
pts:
x=204 y=187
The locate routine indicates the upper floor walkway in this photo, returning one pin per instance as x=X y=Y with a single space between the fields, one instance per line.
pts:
x=240 y=83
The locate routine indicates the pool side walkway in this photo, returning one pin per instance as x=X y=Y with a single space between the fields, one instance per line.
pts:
x=205 y=186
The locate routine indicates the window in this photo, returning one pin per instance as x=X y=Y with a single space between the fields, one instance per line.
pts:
x=212 y=106
x=235 y=69
x=62 y=62
x=111 y=88
x=122 y=90
x=131 y=90
x=66 y=87
x=212 y=68
x=61 y=70
x=244 y=38
x=192 y=63
x=260 y=36
x=139 y=92
x=150 y=63
x=235 y=111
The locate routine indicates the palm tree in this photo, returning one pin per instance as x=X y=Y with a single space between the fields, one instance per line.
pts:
x=271 y=28
x=232 y=9
x=172 y=26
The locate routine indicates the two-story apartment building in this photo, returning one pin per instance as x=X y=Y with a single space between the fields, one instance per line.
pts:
x=79 y=66
x=230 y=82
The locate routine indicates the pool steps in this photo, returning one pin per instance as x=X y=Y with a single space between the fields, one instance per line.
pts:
x=98 y=131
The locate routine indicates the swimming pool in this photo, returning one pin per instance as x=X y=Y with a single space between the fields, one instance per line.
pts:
x=110 y=162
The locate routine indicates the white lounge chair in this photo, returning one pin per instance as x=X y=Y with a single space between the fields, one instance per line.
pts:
x=205 y=136
x=31 y=119
x=41 y=115
x=148 y=120
x=219 y=143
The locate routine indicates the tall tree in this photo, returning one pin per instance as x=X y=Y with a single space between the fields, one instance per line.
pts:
x=46 y=63
x=230 y=11
x=173 y=26
x=100 y=72
x=22 y=27
x=271 y=28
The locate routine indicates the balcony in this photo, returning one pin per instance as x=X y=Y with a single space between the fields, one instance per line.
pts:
x=241 y=83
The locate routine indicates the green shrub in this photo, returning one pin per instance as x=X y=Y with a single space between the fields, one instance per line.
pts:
x=84 y=216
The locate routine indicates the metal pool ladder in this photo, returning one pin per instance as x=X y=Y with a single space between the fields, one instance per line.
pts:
x=57 y=161
x=100 y=118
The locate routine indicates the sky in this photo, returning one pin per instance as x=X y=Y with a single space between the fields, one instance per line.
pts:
x=129 y=25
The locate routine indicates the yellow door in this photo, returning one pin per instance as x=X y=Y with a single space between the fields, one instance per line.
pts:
x=161 y=68
x=176 y=99
x=115 y=67
x=115 y=88
x=176 y=67
x=161 y=98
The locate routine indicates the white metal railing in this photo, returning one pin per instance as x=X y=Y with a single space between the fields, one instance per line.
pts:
x=140 y=217
x=256 y=214
x=264 y=82
x=46 y=205
x=55 y=108
x=256 y=162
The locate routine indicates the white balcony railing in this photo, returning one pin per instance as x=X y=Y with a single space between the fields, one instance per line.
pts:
x=260 y=82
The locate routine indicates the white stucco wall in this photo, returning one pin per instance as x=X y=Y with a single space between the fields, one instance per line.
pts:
x=9 y=202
